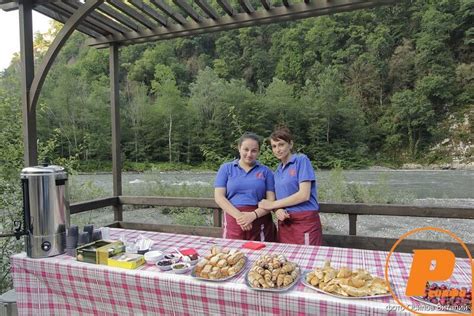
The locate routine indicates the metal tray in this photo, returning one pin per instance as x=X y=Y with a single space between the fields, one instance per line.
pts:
x=305 y=283
x=193 y=274
x=280 y=289
x=442 y=308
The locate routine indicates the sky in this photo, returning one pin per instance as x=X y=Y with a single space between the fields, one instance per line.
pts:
x=10 y=33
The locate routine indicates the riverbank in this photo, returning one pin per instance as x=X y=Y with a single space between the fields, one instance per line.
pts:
x=180 y=167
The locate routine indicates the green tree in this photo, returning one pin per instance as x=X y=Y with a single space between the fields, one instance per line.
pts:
x=409 y=122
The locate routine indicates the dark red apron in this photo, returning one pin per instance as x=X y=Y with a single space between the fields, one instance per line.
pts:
x=302 y=228
x=263 y=228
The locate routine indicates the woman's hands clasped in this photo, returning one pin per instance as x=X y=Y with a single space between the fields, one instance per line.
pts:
x=282 y=214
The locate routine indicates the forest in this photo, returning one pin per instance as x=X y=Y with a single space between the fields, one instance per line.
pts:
x=386 y=86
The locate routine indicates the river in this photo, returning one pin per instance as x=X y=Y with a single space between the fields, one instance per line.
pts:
x=428 y=187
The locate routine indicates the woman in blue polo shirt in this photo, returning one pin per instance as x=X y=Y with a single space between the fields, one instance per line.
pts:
x=239 y=186
x=296 y=204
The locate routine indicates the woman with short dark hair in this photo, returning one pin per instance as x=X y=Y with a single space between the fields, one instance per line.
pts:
x=296 y=205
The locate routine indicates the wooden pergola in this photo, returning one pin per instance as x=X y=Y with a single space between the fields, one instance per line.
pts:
x=114 y=23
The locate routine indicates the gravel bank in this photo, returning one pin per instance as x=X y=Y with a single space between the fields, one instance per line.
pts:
x=376 y=226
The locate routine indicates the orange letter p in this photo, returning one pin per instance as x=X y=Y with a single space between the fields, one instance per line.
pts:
x=421 y=271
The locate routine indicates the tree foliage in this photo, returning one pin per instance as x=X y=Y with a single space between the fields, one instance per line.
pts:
x=355 y=88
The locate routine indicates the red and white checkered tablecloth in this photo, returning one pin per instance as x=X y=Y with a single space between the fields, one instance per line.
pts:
x=62 y=286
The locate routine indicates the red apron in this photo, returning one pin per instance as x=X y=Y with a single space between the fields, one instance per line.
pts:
x=302 y=228
x=263 y=228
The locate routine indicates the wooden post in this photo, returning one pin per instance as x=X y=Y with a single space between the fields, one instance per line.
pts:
x=217 y=215
x=115 y=116
x=353 y=224
x=27 y=75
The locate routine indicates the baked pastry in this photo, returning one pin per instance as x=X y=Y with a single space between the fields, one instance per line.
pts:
x=345 y=282
x=273 y=271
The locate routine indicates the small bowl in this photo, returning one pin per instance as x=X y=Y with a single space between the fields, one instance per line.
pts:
x=171 y=256
x=164 y=264
x=191 y=261
x=180 y=267
x=152 y=257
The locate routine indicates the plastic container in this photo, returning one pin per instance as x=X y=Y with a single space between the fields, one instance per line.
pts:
x=152 y=257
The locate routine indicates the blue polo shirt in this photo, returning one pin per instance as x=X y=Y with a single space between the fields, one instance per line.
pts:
x=244 y=188
x=287 y=179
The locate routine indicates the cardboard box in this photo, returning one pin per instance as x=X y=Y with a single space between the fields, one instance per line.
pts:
x=126 y=260
x=99 y=251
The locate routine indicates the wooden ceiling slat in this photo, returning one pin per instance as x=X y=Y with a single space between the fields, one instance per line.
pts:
x=71 y=8
x=227 y=7
x=188 y=9
x=140 y=5
x=277 y=14
x=245 y=4
x=119 y=17
x=68 y=12
x=63 y=18
x=207 y=9
x=131 y=13
x=266 y=4
x=168 y=11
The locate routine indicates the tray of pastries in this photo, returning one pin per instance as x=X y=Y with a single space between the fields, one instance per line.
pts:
x=345 y=283
x=274 y=273
x=220 y=265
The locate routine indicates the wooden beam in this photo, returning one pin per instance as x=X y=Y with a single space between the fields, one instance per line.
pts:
x=68 y=10
x=173 y=229
x=93 y=204
x=277 y=14
x=56 y=46
x=63 y=18
x=353 y=224
x=119 y=17
x=188 y=9
x=227 y=7
x=266 y=4
x=140 y=5
x=357 y=242
x=207 y=9
x=115 y=118
x=99 y=19
x=168 y=201
x=27 y=77
x=168 y=11
x=217 y=217
x=131 y=13
x=385 y=244
x=337 y=208
x=398 y=210
x=245 y=4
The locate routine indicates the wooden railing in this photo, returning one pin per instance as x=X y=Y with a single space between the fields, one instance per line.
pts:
x=352 y=210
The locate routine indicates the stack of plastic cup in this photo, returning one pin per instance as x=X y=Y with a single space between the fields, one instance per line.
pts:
x=72 y=239
x=90 y=230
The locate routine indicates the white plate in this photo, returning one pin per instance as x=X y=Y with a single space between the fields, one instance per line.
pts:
x=193 y=274
x=278 y=289
x=305 y=283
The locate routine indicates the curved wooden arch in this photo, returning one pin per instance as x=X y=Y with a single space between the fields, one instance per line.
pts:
x=56 y=46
